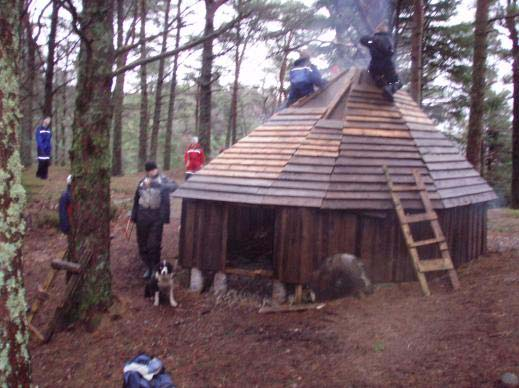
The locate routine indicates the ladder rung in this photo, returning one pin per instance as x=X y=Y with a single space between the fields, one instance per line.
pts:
x=434 y=265
x=431 y=241
x=398 y=188
x=421 y=217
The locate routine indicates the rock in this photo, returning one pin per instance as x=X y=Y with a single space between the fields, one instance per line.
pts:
x=196 y=283
x=341 y=275
x=220 y=283
x=279 y=292
x=509 y=380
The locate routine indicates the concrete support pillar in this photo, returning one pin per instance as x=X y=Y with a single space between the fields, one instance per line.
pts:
x=279 y=292
x=196 y=283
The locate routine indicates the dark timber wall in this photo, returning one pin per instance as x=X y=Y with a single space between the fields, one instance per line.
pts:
x=303 y=237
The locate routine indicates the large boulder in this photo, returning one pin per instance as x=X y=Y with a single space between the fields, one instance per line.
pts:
x=341 y=275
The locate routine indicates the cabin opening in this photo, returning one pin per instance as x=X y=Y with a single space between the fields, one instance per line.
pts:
x=250 y=241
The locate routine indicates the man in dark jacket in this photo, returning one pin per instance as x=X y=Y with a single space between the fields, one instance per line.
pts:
x=304 y=76
x=65 y=207
x=151 y=210
x=381 y=67
x=44 y=147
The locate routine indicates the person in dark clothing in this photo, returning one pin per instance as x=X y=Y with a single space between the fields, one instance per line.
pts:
x=304 y=77
x=65 y=207
x=381 y=67
x=151 y=210
x=44 y=147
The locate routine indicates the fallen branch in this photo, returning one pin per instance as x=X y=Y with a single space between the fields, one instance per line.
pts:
x=287 y=308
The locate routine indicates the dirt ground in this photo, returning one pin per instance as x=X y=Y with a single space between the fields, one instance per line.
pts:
x=394 y=337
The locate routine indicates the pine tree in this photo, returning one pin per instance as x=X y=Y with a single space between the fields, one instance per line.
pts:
x=477 y=93
x=14 y=337
x=90 y=162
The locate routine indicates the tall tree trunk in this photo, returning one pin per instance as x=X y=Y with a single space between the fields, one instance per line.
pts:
x=15 y=368
x=206 y=77
x=197 y=107
x=56 y=134
x=172 y=93
x=236 y=84
x=416 y=51
x=64 y=112
x=512 y=29
x=143 y=119
x=118 y=95
x=49 y=71
x=27 y=95
x=158 y=90
x=477 y=92
x=283 y=68
x=90 y=161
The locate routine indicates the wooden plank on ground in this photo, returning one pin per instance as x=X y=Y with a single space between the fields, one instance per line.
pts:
x=291 y=308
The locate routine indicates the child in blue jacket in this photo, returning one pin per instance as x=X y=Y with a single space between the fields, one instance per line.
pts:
x=304 y=76
x=44 y=147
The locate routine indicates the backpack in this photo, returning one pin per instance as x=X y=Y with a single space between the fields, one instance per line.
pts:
x=301 y=75
x=144 y=371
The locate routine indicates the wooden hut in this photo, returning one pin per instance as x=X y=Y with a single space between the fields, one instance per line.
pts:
x=309 y=183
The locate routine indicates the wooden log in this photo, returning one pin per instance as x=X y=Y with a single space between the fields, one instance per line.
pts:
x=66 y=266
x=291 y=308
x=72 y=286
x=298 y=296
x=37 y=332
x=49 y=281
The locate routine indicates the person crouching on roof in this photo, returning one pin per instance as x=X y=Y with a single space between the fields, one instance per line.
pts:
x=151 y=210
x=194 y=158
x=65 y=207
x=304 y=77
x=381 y=67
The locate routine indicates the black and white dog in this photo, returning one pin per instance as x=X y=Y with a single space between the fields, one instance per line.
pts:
x=161 y=282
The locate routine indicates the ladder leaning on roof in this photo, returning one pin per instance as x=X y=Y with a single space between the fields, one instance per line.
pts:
x=444 y=263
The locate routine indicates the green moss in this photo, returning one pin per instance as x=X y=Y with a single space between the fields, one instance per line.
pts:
x=14 y=354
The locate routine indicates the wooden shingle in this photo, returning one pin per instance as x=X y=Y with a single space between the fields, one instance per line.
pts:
x=327 y=151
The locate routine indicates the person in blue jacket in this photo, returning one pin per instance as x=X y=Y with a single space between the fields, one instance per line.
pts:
x=304 y=77
x=44 y=147
x=65 y=207
x=381 y=67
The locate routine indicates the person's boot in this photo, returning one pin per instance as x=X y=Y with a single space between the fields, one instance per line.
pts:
x=387 y=91
x=396 y=86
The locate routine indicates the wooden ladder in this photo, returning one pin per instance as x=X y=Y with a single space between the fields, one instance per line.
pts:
x=43 y=292
x=444 y=263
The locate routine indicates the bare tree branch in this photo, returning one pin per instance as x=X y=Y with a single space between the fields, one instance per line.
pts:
x=187 y=46
x=503 y=17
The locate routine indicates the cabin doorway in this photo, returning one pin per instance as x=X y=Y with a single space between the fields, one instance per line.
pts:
x=250 y=241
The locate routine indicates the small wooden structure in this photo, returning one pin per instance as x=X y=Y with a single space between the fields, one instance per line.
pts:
x=309 y=183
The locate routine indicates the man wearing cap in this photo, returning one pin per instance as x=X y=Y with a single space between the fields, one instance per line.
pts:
x=304 y=77
x=151 y=210
x=44 y=147
x=381 y=67
x=194 y=158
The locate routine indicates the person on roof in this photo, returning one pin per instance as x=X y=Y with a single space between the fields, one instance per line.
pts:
x=44 y=147
x=381 y=67
x=304 y=77
x=194 y=158
x=151 y=210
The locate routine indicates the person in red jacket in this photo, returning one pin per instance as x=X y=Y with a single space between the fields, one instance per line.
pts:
x=194 y=158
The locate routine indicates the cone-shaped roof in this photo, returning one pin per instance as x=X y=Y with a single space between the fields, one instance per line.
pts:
x=327 y=151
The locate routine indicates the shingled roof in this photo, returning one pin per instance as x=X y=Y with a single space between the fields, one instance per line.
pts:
x=327 y=151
